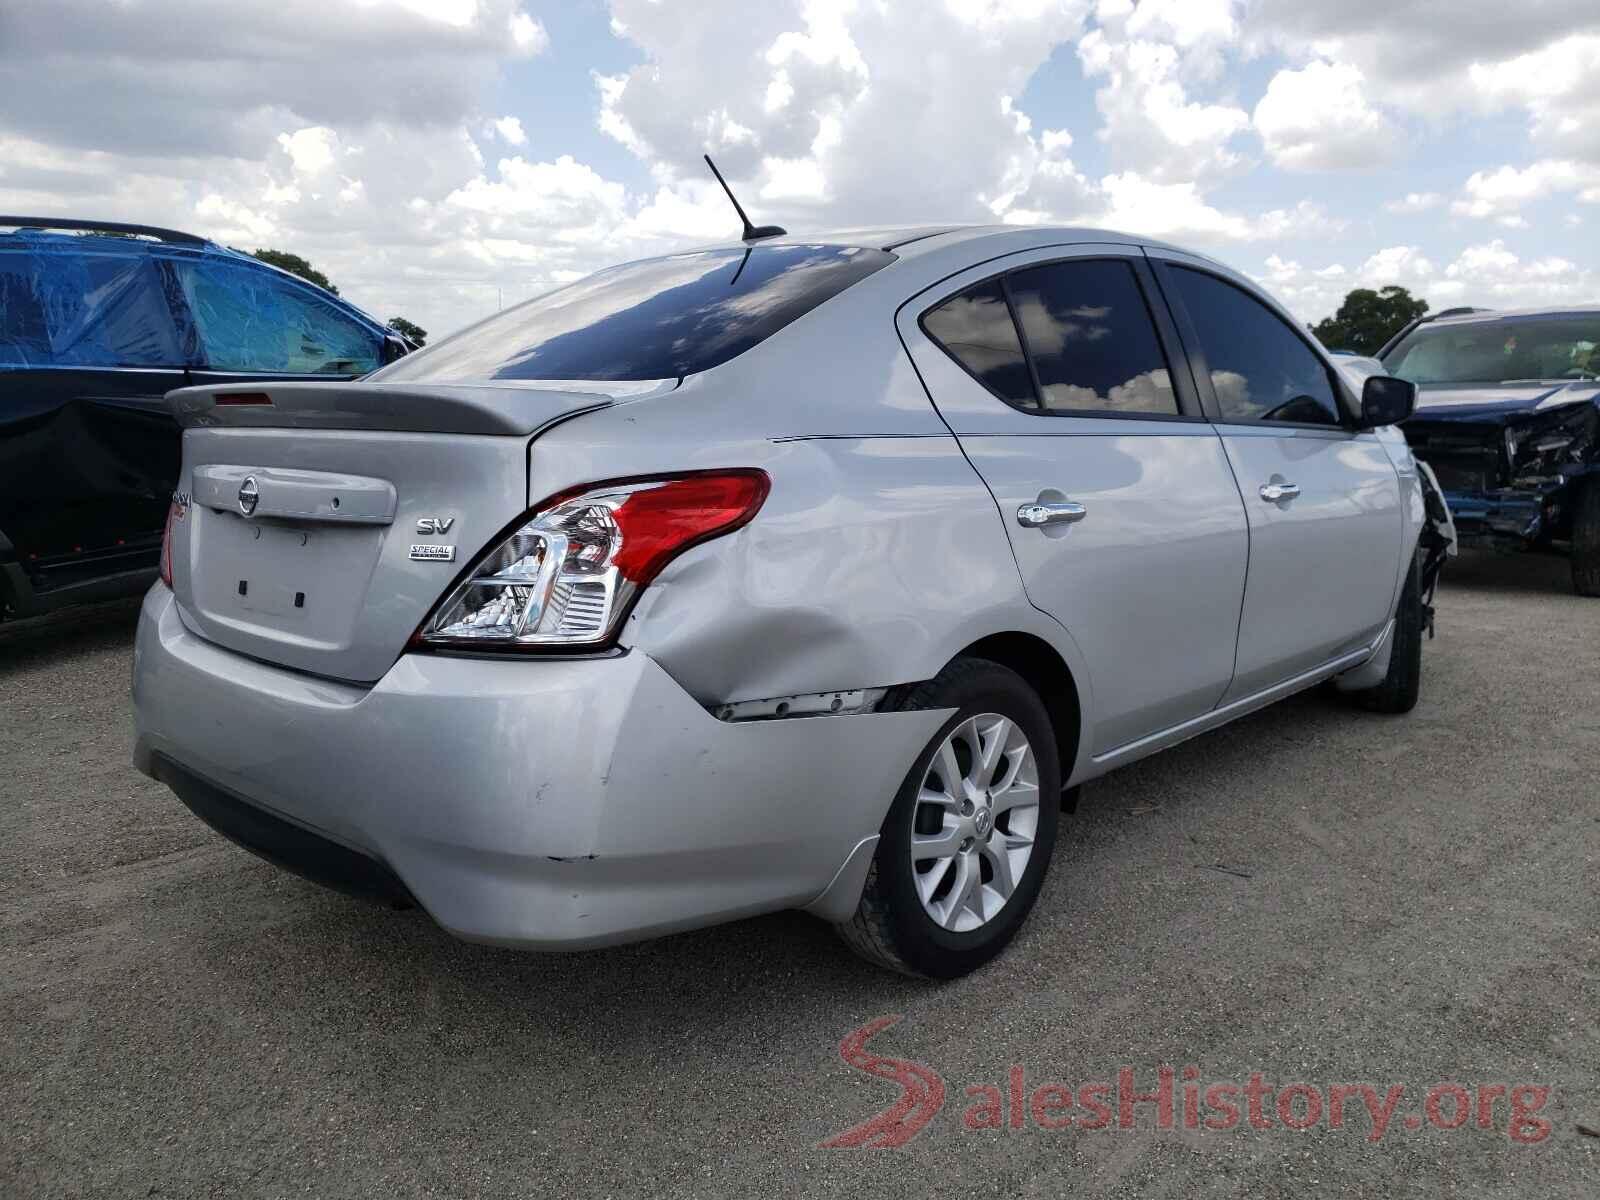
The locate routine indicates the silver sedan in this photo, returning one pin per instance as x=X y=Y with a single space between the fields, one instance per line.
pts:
x=808 y=573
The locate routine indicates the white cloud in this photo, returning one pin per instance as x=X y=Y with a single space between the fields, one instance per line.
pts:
x=1396 y=264
x=140 y=78
x=311 y=150
x=1179 y=212
x=1185 y=23
x=1492 y=273
x=1556 y=84
x=1151 y=123
x=510 y=131
x=564 y=196
x=528 y=35
x=1318 y=119
x=1417 y=56
x=817 y=107
x=1415 y=202
x=1502 y=194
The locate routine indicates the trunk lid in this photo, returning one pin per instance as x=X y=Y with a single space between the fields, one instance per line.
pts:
x=301 y=543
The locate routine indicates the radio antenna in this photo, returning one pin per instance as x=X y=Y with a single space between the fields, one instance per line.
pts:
x=752 y=233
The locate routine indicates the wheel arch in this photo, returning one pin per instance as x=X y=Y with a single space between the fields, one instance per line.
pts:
x=1046 y=672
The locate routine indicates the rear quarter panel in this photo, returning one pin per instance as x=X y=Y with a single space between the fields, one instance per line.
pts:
x=879 y=553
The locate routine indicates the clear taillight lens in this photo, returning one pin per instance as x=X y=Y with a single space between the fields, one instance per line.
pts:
x=568 y=575
x=175 y=512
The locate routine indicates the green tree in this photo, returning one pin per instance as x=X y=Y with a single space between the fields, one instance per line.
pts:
x=415 y=333
x=1367 y=319
x=296 y=265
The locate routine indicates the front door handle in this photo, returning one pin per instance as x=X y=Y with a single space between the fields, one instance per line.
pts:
x=1057 y=512
x=1275 y=491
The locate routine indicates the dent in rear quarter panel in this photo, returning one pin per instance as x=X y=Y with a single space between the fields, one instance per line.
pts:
x=874 y=561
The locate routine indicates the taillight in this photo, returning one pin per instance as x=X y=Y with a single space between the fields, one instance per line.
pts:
x=568 y=574
x=175 y=512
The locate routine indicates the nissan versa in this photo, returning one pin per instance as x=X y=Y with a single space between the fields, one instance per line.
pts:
x=797 y=573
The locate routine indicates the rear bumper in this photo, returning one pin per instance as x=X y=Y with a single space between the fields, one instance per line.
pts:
x=549 y=804
x=280 y=842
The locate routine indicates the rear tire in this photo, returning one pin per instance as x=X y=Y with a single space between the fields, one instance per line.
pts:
x=1586 y=539
x=1400 y=687
x=940 y=917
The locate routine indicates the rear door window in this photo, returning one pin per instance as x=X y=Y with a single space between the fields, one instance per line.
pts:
x=662 y=318
x=252 y=319
x=1092 y=339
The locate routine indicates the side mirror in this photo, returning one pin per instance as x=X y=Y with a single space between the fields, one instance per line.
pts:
x=394 y=347
x=1386 y=400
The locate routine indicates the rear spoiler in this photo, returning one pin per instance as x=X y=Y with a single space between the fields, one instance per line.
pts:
x=512 y=409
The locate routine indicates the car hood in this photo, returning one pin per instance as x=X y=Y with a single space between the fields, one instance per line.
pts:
x=1498 y=403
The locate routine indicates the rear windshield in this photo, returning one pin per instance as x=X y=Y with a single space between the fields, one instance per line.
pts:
x=1515 y=350
x=657 y=319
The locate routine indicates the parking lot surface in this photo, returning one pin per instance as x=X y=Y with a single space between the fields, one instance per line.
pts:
x=1313 y=894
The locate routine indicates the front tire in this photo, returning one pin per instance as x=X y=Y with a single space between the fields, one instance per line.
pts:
x=1586 y=539
x=1400 y=687
x=965 y=847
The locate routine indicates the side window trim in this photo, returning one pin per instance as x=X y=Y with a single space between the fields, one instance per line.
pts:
x=1200 y=369
x=1022 y=341
x=1191 y=407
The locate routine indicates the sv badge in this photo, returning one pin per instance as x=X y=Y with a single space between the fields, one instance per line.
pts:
x=435 y=525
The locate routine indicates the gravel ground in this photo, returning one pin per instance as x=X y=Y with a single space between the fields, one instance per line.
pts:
x=1313 y=893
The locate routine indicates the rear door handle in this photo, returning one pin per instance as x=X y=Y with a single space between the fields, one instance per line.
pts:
x=1056 y=512
x=1273 y=492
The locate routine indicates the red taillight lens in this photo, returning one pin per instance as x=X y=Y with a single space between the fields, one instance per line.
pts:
x=659 y=523
x=175 y=512
x=571 y=569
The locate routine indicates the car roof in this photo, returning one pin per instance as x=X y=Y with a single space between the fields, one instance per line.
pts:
x=911 y=240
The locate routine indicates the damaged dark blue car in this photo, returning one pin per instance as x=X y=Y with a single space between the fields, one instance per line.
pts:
x=98 y=321
x=1508 y=417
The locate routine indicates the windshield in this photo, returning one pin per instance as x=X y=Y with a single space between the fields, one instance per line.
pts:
x=657 y=319
x=1520 y=349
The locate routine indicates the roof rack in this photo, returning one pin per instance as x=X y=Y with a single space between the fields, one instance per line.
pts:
x=154 y=231
x=1460 y=311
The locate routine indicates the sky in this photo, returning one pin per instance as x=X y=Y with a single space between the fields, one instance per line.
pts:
x=439 y=159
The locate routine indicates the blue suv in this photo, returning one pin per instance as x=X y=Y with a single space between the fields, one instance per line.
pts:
x=98 y=321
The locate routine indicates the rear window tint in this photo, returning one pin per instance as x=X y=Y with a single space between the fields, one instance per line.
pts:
x=1092 y=338
x=658 y=319
x=975 y=328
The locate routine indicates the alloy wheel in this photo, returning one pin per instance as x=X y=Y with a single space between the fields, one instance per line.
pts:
x=974 y=822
